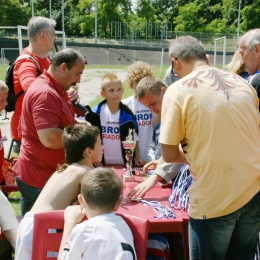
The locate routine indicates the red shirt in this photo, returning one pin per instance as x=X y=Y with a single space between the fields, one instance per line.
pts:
x=44 y=107
x=25 y=72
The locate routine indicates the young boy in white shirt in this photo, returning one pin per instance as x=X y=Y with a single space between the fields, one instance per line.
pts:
x=104 y=235
x=144 y=117
x=82 y=147
x=114 y=120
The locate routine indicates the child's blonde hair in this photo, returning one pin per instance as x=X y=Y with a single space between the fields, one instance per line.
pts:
x=235 y=64
x=108 y=78
x=3 y=86
x=137 y=71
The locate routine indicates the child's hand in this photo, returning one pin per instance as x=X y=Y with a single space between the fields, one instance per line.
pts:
x=139 y=162
x=140 y=190
x=73 y=215
x=151 y=165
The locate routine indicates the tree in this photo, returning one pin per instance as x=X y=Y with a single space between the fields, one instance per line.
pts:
x=190 y=18
x=13 y=13
x=75 y=16
x=165 y=10
x=146 y=10
x=87 y=24
x=108 y=12
x=250 y=19
x=213 y=16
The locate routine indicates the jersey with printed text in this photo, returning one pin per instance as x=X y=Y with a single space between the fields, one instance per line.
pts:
x=111 y=136
x=144 y=119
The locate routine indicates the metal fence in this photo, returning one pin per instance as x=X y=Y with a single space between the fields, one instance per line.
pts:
x=207 y=40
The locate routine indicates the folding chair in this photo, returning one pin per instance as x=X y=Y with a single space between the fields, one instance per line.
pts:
x=139 y=228
x=43 y=241
x=9 y=188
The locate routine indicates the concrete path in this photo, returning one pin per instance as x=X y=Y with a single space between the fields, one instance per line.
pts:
x=89 y=89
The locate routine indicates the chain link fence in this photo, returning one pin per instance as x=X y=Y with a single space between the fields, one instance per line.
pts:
x=207 y=40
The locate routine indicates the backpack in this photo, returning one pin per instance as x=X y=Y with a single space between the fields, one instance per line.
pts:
x=11 y=98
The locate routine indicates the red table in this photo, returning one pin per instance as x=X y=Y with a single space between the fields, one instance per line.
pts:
x=138 y=209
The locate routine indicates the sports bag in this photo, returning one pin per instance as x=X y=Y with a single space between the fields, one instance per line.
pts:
x=11 y=98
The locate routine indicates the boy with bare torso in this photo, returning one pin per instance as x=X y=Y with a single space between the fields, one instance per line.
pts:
x=82 y=147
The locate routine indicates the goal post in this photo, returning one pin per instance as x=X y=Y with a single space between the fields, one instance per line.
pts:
x=20 y=38
x=224 y=50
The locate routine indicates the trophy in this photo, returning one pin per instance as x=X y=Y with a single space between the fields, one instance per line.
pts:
x=129 y=146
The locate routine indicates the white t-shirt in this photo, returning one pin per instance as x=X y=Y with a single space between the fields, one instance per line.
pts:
x=8 y=219
x=111 y=136
x=143 y=117
x=101 y=237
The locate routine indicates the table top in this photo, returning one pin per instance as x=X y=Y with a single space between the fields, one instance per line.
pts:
x=138 y=209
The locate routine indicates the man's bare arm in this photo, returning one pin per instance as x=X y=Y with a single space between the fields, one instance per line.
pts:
x=51 y=137
x=172 y=154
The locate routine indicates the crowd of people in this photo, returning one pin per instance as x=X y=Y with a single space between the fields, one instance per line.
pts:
x=200 y=117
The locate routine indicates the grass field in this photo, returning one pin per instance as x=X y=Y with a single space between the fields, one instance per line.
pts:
x=3 y=71
x=14 y=197
x=127 y=92
x=156 y=69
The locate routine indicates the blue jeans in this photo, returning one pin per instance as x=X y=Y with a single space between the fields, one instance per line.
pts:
x=18 y=144
x=29 y=195
x=232 y=236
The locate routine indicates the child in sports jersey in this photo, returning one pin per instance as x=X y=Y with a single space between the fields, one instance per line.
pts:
x=104 y=235
x=154 y=152
x=82 y=146
x=137 y=71
x=114 y=120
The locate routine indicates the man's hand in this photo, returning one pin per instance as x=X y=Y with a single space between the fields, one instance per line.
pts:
x=73 y=95
x=140 y=190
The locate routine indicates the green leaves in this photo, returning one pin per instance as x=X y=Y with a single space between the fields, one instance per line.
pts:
x=214 y=16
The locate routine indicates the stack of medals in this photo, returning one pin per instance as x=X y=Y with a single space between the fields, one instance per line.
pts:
x=179 y=198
